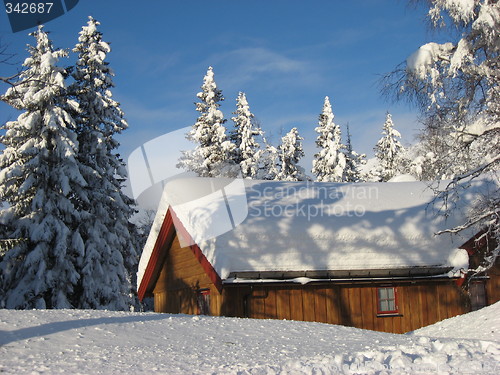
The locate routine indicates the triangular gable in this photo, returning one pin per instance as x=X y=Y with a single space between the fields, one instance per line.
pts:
x=170 y=227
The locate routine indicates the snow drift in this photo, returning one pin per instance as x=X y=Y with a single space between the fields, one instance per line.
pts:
x=105 y=342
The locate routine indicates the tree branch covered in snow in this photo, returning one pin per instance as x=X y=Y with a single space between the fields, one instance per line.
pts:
x=457 y=87
x=5 y=58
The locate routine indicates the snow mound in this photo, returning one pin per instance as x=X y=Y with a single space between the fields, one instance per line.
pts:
x=108 y=342
x=483 y=324
x=403 y=178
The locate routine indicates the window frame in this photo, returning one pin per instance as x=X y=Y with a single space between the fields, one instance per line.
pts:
x=395 y=299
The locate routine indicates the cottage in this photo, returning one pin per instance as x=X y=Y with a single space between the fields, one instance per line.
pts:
x=363 y=255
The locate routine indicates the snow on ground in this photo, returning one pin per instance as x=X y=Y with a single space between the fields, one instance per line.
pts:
x=485 y=325
x=105 y=342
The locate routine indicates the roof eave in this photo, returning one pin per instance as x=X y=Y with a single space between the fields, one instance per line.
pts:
x=408 y=272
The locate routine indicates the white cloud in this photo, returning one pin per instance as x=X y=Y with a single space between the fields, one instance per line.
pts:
x=270 y=68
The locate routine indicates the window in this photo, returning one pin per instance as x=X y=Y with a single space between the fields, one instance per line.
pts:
x=477 y=293
x=387 y=302
x=203 y=301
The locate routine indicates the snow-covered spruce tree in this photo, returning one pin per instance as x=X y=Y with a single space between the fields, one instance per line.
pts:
x=212 y=154
x=290 y=152
x=40 y=180
x=329 y=163
x=109 y=262
x=389 y=151
x=457 y=87
x=270 y=165
x=246 y=152
x=353 y=161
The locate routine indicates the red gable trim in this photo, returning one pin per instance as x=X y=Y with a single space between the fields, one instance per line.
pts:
x=164 y=239
x=166 y=236
x=205 y=264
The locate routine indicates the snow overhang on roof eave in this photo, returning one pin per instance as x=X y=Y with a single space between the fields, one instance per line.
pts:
x=409 y=272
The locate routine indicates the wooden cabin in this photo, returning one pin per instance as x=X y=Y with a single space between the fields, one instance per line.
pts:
x=361 y=255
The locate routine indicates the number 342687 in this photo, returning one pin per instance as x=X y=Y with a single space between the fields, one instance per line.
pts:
x=28 y=8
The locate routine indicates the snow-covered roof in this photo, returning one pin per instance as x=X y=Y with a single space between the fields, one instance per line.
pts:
x=264 y=229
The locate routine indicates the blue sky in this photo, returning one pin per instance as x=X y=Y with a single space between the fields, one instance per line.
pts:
x=286 y=55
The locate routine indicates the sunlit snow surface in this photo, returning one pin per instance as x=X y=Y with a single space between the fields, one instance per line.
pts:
x=104 y=342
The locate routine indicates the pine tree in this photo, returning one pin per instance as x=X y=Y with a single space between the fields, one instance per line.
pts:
x=329 y=163
x=40 y=179
x=212 y=154
x=353 y=161
x=290 y=153
x=110 y=259
x=389 y=151
x=246 y=151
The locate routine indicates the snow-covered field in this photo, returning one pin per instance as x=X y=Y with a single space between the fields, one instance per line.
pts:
x=105 y=342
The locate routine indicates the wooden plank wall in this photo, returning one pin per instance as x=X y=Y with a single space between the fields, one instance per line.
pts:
x=180 y=278
x=419 y=304
x=493 y=284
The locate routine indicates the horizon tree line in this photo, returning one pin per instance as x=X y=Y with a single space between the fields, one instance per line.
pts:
x=243 y=149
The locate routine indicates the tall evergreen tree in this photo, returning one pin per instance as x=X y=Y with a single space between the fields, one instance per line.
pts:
x=353 y=161
x=389 y=151
x=290 y=153
x=40 y=180
x=329 y=163
x=110 y=259
x=247 y=151
x=212 y=154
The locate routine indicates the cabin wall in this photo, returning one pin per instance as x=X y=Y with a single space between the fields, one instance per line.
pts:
x=352 y=304
x=493 y=284
x=179 y=283
x=419 y=304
